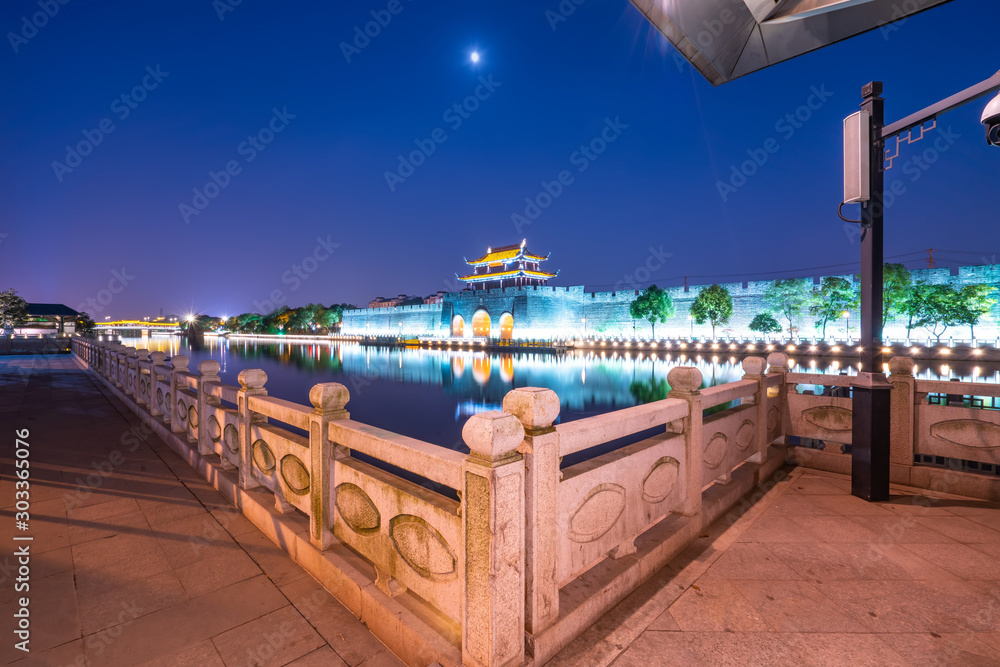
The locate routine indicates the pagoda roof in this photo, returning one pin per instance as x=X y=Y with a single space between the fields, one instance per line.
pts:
x=516 y=273
x=507 y=253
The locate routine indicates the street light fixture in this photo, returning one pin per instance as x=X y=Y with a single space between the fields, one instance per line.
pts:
x=865 y=158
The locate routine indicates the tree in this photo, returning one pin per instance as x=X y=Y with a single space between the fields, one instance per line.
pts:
x=832 y=299
x=713 y=304
x=787 y=298
x=13 y=310
x=974 y=301
x=933 y=307
x=652 y=304
x=896 y=283
x=84 y=325
x=765 y=323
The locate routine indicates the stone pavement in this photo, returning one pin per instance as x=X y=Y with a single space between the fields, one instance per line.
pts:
x=811 y=575
x=136 y=560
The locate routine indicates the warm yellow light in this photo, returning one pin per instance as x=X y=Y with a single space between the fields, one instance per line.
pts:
x=835 y=348
x=945 y=350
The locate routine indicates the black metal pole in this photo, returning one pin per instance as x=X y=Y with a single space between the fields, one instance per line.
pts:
x=870 y=442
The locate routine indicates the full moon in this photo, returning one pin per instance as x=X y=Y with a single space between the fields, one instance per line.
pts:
x=475 y=56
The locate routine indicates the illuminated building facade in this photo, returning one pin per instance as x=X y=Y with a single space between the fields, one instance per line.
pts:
x=507 y=266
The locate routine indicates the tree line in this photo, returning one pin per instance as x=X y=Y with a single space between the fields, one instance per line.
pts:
x=312 y=318
x=922 y=305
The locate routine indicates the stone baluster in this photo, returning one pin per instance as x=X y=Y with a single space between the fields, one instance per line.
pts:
x=329 y=401
x=179 y=363
x=158 y=360
x=778 y=365
x=537 y=410
x=131 y=362
x=685 y=382
x=141 y=362
x=753 y=369
x=493 y=529
x=119 y=363
x=252 y=381
x=902 y=402
x=208 y=372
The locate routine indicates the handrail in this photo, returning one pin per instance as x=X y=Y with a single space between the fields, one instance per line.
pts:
x=723 y=393
x=278 y=408
x=582 y=434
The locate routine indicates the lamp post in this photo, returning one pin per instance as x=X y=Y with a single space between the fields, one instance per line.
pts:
x=865 y=158
x=584 y=320
x=691 y=321
x=847 y=324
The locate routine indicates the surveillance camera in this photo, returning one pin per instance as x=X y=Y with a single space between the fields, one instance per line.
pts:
x=991 y=119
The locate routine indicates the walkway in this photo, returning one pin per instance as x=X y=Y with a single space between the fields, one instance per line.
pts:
x=138 y=561
x=811 y=575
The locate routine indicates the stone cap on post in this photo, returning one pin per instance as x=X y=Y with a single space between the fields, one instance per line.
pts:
x=131 y=352
x=179 y=362
x=142 y=353
x=536 y=408
x=901 y=366
x=754 y=366
x=158 y=358
x=684 y=381
x=778 y=362
x=209 y=368
x=252 y=378
x=493 y=437
x=329 y=397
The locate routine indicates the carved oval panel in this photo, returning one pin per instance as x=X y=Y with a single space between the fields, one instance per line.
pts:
x=661 y=479
x=231 y=436
x=213 y=428
x=295 y=474
x=263 y=456
x=144 y=385
x=182 y=412
x=968 y=433
x=159 y=397
x=715 y=450
x=773 y=418
x=357 y=509
x=422 y=547
x=598 y=512
x=746 y=435
x=166 y=398
x=829 y=417
x=193 y=416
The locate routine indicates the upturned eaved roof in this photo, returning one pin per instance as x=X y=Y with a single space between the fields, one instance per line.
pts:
x=518 y=273
x=50 y=310
x=507 y=253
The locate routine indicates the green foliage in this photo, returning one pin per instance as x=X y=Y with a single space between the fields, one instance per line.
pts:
x=832 y=299
x=896 y=284
x=765 y=323
x=974 y=301
x=312 y=318
x=715 y=305
x=13 y=310
x=933 y=307
x=654 y=305
x=649 y=391
x=84 y=325
x=787 y=298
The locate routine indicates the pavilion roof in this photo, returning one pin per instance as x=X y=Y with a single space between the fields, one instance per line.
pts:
x=506 y=253
x=516 y=273
x=50 y=310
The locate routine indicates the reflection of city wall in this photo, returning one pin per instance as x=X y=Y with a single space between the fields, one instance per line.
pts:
x=553 y=312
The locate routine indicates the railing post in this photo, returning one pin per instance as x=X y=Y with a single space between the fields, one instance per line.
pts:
x=208 y=372
x=252 y=381
x=131 y=361
x=493 y=530
x=159 y=359
x=685 y=381
x=179 y=364
x=119 y=363
x=778 y=365
x=753 y=369
x=901 y=419
x=537 y=410
x=141 y=359
x=329 y=400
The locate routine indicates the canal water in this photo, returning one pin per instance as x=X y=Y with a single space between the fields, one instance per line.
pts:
x=429 y=394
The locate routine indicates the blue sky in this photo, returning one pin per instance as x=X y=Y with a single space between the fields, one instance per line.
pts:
x=314 y=217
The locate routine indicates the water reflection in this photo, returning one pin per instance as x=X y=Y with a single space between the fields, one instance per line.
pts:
x=429 y=394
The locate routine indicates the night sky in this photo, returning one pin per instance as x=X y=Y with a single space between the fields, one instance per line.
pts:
x=115 y=220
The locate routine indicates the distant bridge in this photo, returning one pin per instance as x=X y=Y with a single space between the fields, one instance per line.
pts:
x=140 y=325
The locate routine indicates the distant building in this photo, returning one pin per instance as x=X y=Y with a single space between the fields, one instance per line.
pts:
x=507 y=266
x=49 y=318
x=401 y=300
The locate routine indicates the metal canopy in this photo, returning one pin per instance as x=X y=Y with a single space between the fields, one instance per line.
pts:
x=727 y=39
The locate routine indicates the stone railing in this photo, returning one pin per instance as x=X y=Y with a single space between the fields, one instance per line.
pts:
x=512 y=554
